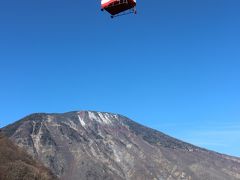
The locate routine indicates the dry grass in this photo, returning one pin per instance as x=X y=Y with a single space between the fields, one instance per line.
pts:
x=16 y=164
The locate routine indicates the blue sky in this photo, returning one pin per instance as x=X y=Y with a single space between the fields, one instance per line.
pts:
x=174 y=67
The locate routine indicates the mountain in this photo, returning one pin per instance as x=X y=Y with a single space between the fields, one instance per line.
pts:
x=103 y=146
x=16 y=164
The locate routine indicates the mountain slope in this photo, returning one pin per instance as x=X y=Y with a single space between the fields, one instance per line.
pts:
x=95 y=145
x=17 y=164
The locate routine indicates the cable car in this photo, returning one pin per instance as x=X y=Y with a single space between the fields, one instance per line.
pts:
x=119 y=7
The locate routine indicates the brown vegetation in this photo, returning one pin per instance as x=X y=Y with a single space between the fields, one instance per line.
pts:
x=16 y=164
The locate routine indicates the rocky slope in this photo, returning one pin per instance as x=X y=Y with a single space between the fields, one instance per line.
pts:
x=95 y=145
x=16 y=164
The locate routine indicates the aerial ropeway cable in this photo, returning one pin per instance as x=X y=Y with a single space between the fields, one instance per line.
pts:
x=119 y=7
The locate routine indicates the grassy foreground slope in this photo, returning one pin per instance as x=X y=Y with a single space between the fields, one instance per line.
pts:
x=16 y=164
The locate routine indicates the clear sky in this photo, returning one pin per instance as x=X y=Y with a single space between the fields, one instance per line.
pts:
x=175 y=66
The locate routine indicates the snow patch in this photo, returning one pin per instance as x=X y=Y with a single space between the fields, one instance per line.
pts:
x=103 y=118
x=81 y=121
x=92 y=116
x=36 y=137
x=72 y=125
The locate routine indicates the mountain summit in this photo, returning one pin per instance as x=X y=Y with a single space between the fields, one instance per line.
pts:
x=95 y=145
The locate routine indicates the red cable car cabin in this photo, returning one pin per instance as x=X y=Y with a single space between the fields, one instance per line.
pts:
x=117 y=6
